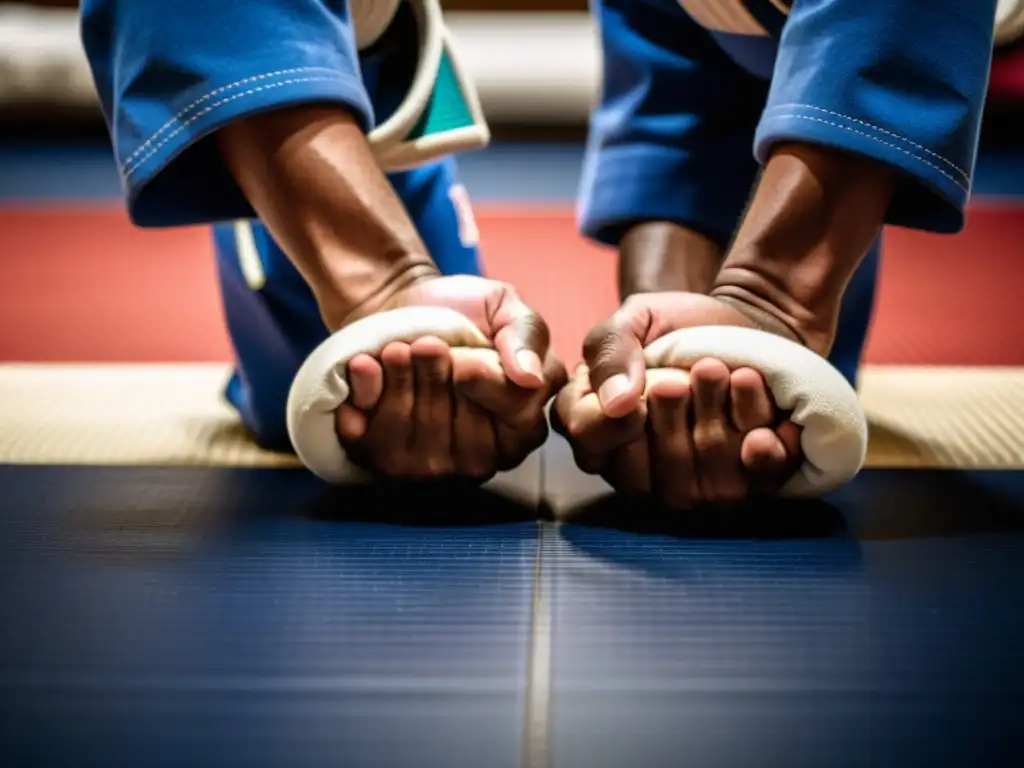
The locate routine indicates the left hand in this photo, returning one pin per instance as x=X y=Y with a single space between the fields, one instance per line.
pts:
x=710 y=435
x=427 y=410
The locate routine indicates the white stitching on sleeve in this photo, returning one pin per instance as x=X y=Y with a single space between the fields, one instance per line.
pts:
x=873 y=138
x=182 y=125
x=966 y=177
x=206 y=97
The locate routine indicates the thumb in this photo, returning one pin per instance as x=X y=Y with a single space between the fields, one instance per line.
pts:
x=522 y=340
x=614 y=353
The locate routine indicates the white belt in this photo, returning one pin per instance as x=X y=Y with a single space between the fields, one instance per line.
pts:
x=440 y=114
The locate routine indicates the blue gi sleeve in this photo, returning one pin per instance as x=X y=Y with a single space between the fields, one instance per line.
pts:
x=670 y=137
x=899 y=81
x=171 y=73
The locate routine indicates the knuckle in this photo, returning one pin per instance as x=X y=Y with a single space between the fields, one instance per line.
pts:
x=576 y=428
x=709 y=438
x=522 y=418
x=433 y=467
x=599 y=345
x=536 y=435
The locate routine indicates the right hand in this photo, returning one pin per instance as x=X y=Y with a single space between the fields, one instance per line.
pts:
x=425 y=410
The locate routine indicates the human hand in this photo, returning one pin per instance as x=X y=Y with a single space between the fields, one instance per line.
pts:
x=427 y=410
x=710 y=435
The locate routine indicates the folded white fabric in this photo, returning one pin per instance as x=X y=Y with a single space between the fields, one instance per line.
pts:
x=834 y=437
x=321 y=386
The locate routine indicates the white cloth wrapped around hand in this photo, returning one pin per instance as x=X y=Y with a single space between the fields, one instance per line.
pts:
x=834 y=434
x=822 y=403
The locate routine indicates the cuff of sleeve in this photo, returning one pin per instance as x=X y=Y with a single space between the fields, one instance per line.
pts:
x=933 y=193
x=625 y=185
x=175 y=178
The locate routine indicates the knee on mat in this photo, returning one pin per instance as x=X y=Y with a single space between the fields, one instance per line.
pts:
x=263 y=415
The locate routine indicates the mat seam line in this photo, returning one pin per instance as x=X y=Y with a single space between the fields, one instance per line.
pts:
x=537 y=710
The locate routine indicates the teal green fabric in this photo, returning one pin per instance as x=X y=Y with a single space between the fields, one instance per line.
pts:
x=448 y=109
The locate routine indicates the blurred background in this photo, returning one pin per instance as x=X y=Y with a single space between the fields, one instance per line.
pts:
x=71 y=260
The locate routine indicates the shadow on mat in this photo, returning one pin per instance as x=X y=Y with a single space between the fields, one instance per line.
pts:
x=877 y=505
x=769 y=519
x=884 y=504
x=440 y=503
x=796 y=541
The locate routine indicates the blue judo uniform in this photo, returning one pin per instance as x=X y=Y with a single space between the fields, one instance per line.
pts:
x=696 y=92
x=688 y=87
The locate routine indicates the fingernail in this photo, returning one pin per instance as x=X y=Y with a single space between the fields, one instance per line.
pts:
x=615 y=387
x=529 y=362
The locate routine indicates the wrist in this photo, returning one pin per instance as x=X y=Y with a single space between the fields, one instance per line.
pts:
x=356 y=293
x=812 y=219
x=659 y=256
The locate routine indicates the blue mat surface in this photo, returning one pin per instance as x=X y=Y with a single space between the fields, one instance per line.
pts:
x=196 y=616
x=239 y=618
x=883 y=629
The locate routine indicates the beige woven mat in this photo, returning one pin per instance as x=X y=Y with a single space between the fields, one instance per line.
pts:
x=174 y=415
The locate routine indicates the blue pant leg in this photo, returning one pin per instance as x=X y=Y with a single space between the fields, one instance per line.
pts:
x=438 y=205
x=274 y=327
x=855 y=316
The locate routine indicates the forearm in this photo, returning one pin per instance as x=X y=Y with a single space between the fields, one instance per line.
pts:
x=310 y=175
x=814 y=215
x=663 y=256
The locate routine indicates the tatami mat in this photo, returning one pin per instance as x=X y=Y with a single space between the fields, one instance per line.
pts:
x=175 y=415
x=123 y=414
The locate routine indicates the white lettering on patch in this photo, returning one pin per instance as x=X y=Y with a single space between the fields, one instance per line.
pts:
x=469 y=234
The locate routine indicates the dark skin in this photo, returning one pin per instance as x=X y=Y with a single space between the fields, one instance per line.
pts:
x=660 y=256
x=417 y=410
x=312 y=179
x=712 y=435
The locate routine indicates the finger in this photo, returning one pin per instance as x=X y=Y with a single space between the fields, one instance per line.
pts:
x=673 y=463
x=475 y=449
x=478 y=374
x=722 y=478
x=388 y=439
x=613 y=351
x=366 y=380
x=591 y=432
x=522 y=340
x=763 y=454
x=772 y=456
x=566 y=399
x=516 y=443
x=789 y=434
x=350 y=423
x=629 y=468
x=432 y=409
x=751 y=404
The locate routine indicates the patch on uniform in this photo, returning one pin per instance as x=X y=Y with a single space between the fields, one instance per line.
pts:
x=469 y=233
x=439 y=112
